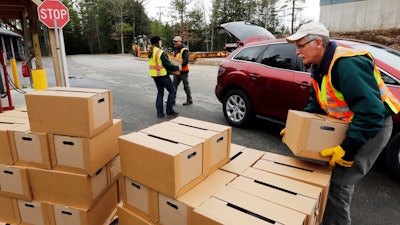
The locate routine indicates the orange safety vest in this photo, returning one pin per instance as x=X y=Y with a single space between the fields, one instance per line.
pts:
x=156 y=67
x=179 y=56
x=332 y=101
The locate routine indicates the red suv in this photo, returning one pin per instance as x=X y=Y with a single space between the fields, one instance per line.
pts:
x=265 y=79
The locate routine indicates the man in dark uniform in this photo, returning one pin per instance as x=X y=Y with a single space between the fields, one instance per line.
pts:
x=182 y=52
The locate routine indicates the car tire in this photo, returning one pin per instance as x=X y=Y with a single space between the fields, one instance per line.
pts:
x=237 y=108
x=393 y=155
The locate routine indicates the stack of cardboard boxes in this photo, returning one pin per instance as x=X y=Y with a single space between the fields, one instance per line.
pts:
x=60 y=164
x=188 y=172
x=14 y=183
x=164 y=162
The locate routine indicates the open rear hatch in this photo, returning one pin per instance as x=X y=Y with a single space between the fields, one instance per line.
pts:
x=244 y=32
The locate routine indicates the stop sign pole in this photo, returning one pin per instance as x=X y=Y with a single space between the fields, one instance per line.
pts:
x=55 y=15
x=60 y=46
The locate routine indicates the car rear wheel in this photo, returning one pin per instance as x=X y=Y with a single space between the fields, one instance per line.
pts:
x=393 y=155
x=237 y=108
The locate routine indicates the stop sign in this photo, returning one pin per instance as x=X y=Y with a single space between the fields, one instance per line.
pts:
x=53 y=11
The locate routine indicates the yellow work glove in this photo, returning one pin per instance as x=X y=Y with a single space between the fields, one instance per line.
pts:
x=337 y=154
x=282 y=133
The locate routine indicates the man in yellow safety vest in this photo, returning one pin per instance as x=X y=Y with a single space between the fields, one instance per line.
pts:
x=347 y=85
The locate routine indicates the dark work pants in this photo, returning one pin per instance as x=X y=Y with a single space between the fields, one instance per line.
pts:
x=185 y=80
x=337 y=211
x=161 y=83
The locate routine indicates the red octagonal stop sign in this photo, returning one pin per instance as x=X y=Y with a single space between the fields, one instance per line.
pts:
x=53 y=11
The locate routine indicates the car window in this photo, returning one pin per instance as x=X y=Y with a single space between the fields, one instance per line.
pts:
x=388 y=55
x=249 y=54
x=387 y=79
x=282 y=56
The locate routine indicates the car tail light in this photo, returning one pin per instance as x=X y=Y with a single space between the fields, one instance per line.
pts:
x=221 y=70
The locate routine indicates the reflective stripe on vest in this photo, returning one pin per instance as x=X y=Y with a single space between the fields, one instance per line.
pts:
x=179 y=56
x=332 y=101
x=155 y=64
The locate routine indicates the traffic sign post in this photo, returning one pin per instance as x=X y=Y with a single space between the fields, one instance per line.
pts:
x=55 y=15
x=53 y=10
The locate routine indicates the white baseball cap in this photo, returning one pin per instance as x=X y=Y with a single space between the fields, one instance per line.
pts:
x=308 y=28
x=177 y=38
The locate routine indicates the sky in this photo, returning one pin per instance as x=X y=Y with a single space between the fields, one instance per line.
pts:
x=154 y=7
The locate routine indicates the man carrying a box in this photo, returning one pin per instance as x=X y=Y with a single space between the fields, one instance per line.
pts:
x=182 y=52
x=347 y=85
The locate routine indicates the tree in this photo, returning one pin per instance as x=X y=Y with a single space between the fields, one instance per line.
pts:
x=231 y=10
x=195 y=29
x=181 y=7
x=267 y=15
x=73 y=38
x=295 y=7
x=110 y=26
x=96 y=22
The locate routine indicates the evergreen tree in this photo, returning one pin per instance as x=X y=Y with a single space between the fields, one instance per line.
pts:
x=73 y=36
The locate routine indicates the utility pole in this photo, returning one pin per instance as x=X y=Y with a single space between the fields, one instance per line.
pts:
x=159 y=12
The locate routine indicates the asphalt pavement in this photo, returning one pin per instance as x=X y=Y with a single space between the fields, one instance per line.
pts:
x=18 y=94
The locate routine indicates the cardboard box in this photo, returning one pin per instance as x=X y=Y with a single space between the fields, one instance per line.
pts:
x=307 y=133
x=295 y=162
x=177 y=62
x=216 y=150
x=21 y=109
x=33 y=212
x=127 y=217
x=180 y=211
x=96 y=215
x=31 y=149
x=172 y=211
x=167 y=166
x=70 y=111
x=231 y=206
x=235 y=149
x=9 y=210
x=321 y=180
x=1 y=223
x=279 y=190
x=242 y=160
x=13 y=119
x=86 y=155
x=7 y=126
x=15 y=113
x=14 y=182
x=159 y=131
x=166 y=210
x=141 y=200
x=204 y=190
x=114 y=170
x=112 y=218
x=65 y=188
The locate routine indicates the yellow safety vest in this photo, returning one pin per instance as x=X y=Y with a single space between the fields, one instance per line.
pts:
x=179 y=56
x=156 y=67
x=332 y=101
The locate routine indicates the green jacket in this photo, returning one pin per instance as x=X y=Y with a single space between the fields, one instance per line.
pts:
x=353 y=77
x=167 y=64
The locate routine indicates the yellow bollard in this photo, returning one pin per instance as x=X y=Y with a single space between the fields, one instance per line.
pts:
x=39 y=79
x=13 y=64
